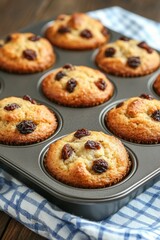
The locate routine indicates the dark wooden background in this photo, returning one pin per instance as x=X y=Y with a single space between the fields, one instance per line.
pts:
x=16 y=14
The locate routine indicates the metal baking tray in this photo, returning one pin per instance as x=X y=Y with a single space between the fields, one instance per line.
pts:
x=26 y=162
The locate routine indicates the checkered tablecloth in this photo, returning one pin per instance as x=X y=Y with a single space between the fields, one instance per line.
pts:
x=130 y=25
x=139 y=219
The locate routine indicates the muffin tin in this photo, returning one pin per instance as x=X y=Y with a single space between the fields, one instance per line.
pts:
x=27 y=162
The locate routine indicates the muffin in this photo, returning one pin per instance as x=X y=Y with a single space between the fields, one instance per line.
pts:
x=87 y=159
x=26 y=53
x=77 y=86
x=127 y=58
x=23 y=121
x=156 y=85
x=137 y=120
x=77 y=32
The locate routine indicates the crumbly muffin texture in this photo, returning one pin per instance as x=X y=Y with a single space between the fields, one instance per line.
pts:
x=78 y=31
x=127 y=58
x=26 y=53
x=156 y=85
x=137 y=119
x=77 y=86
x=87 y=159
x=23 y=121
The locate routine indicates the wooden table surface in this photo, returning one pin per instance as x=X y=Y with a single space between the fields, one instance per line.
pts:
x=16 y=14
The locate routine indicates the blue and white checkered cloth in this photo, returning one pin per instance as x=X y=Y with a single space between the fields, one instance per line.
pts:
x=130 y=24
x=139 y=219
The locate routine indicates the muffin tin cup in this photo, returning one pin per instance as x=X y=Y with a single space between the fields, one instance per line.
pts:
x=27 y=162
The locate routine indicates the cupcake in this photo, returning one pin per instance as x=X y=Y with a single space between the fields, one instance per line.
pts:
x=127 y=58
x=137 y=119
x=26 y=53
x=77 y=86
x=23 y=121
x=77 y=32
x=87 y=159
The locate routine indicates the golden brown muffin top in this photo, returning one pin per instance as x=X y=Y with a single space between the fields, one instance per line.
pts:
x=87 y=159
x=77 y=86
x=23 y=121
x=137 y=119
x=78 y=31
x=25 y=53
x=128 y=58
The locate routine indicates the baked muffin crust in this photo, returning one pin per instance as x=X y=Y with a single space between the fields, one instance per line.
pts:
x=127 y=58
x=137 y=119
x=26 y=53
x=23 y=121
x=92 y=160
x=78 y=31
x=77 y=86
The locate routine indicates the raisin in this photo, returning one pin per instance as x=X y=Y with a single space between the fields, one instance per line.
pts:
x=29 y=54
x=60 y=75
x=146 y=96
x=156 y=115
x=71 y=84
x=81 y=133
x=11 y=107
x=86 y=34
x=28 y=98
x=109 y=52
x=145 y=46
x=124 y=38
x=101 y=84
x=92 y=145
x=64 y=29
x=119 y=104
x=34 y=38
x=67 y=151
x=68 y=66
x=99 y=166
x=133 y=62
x=8 y=39
x=105 y=31
x=1 y=45
x=26 y=126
